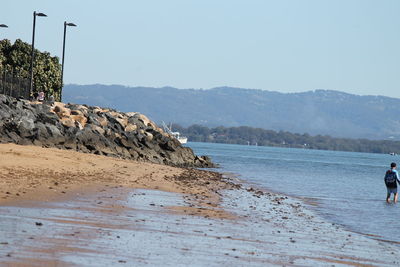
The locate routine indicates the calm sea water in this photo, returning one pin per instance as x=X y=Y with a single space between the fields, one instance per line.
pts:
x=347 y=186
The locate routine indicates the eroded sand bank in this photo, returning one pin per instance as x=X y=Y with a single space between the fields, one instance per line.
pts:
x=63 y=208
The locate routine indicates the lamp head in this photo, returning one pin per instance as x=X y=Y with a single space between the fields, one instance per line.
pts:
x=41 y=15
x=3 y=26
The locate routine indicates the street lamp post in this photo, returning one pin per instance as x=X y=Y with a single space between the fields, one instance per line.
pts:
x=33 y=44
x=3 y=26
x=63 y=55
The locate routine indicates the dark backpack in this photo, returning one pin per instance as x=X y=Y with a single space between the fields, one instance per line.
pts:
x=390 y=179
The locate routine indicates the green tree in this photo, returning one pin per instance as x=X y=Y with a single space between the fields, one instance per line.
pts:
x=46 y=69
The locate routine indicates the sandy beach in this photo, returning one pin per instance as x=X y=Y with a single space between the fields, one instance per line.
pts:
x=65 y=208
x=31 y=173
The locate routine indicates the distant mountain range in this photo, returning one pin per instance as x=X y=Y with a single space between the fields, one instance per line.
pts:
x=324 y=112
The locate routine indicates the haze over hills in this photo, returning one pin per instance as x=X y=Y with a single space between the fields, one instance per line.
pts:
x=324 y=112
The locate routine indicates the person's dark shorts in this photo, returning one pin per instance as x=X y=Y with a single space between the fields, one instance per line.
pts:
x=391 y=190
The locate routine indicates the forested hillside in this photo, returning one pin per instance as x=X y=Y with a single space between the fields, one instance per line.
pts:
x=316 y=112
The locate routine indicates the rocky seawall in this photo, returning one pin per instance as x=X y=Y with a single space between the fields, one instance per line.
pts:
x=94 y=130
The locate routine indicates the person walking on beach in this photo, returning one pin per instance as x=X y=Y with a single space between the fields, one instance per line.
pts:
x=391 y=180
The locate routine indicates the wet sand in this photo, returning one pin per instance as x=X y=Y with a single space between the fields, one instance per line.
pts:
x=63 y=208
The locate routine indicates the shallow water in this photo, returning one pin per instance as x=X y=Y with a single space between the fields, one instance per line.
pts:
x=348 y=187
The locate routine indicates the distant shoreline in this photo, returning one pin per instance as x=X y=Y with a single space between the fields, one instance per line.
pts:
x=244 y=135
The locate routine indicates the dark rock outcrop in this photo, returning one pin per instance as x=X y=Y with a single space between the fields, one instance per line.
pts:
x=92 y=130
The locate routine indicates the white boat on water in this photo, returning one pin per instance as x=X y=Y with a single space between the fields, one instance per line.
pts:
x=177 y=135
x=181 y=139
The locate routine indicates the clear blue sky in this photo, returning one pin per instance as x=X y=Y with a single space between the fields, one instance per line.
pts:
x=281 y=45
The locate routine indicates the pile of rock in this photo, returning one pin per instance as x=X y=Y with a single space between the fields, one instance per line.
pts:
x=92 y=130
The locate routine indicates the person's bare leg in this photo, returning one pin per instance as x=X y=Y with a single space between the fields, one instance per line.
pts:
x=395 y=197
x=388 y=198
